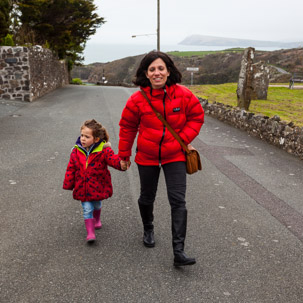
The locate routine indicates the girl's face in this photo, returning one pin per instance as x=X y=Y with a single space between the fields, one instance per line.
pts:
x=86 y=138
x=157 y=73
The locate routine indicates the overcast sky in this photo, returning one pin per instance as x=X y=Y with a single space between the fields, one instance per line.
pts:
x=273 y=20
x=269 y=20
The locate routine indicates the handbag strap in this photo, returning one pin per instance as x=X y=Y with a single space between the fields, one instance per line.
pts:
x=160 y=117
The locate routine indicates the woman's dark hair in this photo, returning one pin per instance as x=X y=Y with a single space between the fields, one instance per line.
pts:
x=140 y=78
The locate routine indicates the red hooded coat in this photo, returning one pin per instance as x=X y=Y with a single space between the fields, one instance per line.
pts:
x=88 y=175
x=155 y=144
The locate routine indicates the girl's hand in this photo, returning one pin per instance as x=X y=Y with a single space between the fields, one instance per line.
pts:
x=125 y=164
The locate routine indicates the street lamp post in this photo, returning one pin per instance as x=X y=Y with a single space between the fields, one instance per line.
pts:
x=158 y=27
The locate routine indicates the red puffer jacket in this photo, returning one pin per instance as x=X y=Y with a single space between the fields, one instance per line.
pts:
x=88 y=175
x=155 y=144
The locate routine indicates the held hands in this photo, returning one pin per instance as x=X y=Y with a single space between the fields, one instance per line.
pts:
x=125 y=164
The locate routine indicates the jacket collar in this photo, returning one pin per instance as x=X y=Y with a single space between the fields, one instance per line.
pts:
x=96 y=147
x=159 y=93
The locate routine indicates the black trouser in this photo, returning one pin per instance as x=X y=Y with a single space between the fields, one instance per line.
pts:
x=175 y=178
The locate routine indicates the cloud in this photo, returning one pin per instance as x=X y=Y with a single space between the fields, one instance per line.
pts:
x=259 y=20
x=269 y=20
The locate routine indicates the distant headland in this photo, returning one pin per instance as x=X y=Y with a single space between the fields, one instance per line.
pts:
x=233 y=42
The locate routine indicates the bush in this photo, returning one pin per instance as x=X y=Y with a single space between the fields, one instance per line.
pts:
x=76 y=81
x=8 y=40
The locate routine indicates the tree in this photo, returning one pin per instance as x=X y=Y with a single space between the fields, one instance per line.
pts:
x=65 y=25
x=4 y=18
x=8 y=21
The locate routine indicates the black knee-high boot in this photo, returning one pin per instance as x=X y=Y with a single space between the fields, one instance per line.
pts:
x=147 y=216
x=179 y=223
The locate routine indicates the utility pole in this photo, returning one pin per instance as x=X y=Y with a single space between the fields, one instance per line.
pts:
x=158 y=25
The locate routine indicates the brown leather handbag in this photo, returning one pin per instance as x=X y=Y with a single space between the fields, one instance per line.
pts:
x=193 y=161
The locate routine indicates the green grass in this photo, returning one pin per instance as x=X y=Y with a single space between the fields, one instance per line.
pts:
x=204 y=53
x=282 y=101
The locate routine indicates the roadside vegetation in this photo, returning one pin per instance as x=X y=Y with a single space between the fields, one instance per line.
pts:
x=282 y=101
x=76 y=81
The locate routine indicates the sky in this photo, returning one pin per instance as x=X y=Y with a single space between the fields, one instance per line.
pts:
x=270 y=20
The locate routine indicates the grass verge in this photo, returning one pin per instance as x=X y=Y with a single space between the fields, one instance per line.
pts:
x=282 y=101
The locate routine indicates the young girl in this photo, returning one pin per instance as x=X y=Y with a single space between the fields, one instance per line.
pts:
x=87 y=173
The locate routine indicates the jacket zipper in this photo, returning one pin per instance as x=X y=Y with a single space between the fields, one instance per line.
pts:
x=164 y=128
x=88 y=154
x=85 y=176
x=86 y=164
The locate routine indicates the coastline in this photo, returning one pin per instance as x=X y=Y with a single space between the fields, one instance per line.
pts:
x=103 y=53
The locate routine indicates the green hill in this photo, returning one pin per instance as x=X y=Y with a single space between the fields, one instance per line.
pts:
x=215 y=67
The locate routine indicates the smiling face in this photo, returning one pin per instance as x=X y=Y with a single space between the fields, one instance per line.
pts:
x=86 y=138
x=157 y=73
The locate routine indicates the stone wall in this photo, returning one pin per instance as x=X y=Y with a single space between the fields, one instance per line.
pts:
x=279 y=133
x=29 y=73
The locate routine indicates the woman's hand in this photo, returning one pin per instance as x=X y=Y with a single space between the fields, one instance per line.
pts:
x=190 y=147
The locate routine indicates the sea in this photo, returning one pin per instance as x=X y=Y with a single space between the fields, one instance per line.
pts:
x=103 y=53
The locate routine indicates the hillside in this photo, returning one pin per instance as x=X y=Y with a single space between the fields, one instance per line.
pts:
x=214 y=68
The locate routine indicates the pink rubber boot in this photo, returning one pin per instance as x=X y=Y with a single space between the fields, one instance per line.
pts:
x=90 y=228
x=96 y=215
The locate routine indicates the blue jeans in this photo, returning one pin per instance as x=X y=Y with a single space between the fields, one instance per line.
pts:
x=89 y=207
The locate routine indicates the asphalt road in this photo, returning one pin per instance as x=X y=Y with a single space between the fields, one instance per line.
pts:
x=245 y=224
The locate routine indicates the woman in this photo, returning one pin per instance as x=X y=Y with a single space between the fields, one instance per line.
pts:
x=158 y=76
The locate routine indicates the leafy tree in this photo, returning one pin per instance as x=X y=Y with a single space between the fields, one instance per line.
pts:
x=65 y=25
x=4 y=18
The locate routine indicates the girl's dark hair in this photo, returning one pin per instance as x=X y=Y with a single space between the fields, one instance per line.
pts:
x=140 y=78
x=99 y=131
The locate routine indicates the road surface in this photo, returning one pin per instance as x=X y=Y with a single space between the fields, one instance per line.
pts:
x=245 y=224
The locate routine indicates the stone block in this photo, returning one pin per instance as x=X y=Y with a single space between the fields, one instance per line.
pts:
x=27 y=98
x=18 y=76
x=13 y=84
